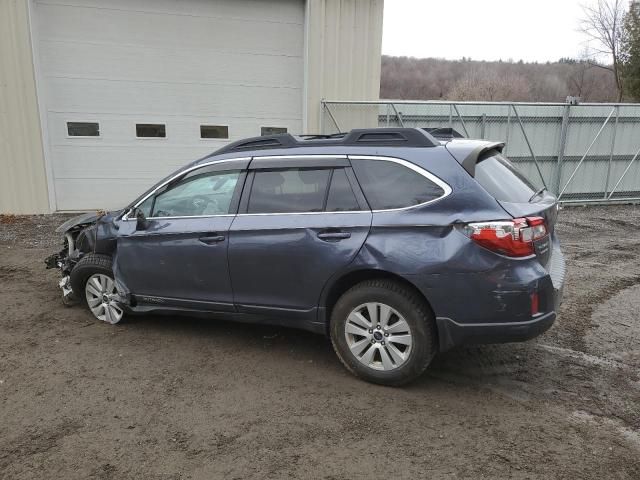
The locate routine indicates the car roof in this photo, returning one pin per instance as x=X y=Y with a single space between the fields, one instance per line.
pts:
x=358 y=142
x=462 y=150
x=360 y=139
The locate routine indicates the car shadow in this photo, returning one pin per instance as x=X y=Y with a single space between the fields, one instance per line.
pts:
x=487 y=365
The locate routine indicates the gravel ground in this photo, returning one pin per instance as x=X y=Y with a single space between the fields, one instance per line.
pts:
x=172 y=398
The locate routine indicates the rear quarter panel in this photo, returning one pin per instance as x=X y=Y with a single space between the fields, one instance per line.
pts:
x=460 y=279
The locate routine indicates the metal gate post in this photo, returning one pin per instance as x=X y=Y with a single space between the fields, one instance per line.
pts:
x=562 y=145
x=506 y=147
x=326 y=106
x=322 y=107
x=613 y=145
x=526 y=138
x=586 y=153
x=484 y=124
x=623 y=174
x=450 y=116
x=464 y=127
x=397 y=115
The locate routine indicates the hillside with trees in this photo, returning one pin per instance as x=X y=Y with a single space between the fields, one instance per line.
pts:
x=406 y=78
x=611 y=28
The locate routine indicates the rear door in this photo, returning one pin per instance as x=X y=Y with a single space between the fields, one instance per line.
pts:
x=300 y=221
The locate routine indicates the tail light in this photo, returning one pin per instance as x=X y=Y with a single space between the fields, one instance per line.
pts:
x=513 y=238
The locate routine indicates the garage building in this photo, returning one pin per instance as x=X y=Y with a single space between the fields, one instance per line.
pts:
x=101 y=98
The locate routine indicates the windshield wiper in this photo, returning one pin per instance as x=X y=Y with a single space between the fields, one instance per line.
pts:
x=538 y=192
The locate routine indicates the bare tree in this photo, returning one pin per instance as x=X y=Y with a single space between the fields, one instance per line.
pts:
x=580 y=82
x=603 y=23
x=435 y=79
x=488 y=85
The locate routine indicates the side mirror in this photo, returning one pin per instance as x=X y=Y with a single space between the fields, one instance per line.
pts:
x=141 y=221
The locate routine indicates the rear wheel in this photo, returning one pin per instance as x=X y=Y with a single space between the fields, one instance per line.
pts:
x=383 y=332
x=92 y=281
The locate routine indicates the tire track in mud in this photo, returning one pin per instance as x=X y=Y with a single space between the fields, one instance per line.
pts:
x=35 y=442
x=563 y=379
x=587 y=303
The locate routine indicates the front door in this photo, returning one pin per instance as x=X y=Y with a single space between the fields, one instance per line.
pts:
x=296 y=228
x=180 y=258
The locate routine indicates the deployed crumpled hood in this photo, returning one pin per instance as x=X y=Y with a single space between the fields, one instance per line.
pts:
x=81 y=219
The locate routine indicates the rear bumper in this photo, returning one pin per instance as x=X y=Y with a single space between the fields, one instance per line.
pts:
x=452 y=334
x=509 y=321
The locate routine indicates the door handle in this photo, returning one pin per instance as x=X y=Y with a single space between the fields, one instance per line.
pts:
x=212 y=239
x=333 y=236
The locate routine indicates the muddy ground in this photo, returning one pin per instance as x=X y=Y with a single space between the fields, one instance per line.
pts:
x=171 y=398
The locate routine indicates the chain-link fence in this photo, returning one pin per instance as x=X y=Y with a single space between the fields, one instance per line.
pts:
x=582 y=153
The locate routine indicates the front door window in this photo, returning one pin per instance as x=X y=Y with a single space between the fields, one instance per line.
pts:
x=207 y=193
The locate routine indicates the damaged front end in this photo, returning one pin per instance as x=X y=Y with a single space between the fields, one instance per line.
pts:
x=93 y=232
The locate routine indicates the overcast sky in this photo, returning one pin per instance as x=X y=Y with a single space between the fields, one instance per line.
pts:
x=531 y=30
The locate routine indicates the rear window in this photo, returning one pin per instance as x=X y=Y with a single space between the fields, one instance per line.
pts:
x=388 y=185
x=503 y=180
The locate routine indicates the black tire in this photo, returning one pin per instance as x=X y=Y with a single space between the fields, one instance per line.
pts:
x=416 y=313
x=89 y=265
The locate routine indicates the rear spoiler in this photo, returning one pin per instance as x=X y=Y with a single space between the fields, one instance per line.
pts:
x=469 y=163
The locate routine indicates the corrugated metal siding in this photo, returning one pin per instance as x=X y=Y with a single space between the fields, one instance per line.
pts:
x=23 y=184
x=344 y=40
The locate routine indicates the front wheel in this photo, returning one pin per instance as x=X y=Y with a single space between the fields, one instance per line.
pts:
x=383 y=332
x=92 y=281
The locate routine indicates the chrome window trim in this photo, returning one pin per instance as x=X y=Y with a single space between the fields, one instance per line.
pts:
x=126 y=218
x=190 y=216
x=412 y=166
x=301 y=213
x=416 y=168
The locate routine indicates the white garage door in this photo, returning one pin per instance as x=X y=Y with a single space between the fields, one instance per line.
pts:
x=110 y=68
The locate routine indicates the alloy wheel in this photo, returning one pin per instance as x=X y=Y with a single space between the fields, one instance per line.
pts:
x=101 y=295
x=378 y=336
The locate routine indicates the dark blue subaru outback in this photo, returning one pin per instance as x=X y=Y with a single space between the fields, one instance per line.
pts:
x=395 y=242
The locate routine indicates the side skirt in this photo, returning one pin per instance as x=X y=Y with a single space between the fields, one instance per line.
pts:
x=208 y=310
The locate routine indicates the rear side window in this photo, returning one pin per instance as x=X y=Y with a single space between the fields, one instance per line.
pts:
x=341 y=197
x=289 y=191
x=503 y=180
x=388 y=185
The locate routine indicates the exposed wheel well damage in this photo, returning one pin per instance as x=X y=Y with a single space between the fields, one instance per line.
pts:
x=351 y=279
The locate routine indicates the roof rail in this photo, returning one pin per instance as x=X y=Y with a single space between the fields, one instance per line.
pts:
x=443 y=132
x=281 y=140
x=320 y=136
x=379 y=137
x=402 y=137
